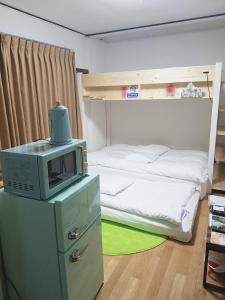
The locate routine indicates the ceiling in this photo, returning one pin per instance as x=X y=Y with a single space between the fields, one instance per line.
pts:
x=94 y=17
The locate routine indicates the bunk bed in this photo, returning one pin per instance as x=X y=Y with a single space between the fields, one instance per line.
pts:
x=152 y=190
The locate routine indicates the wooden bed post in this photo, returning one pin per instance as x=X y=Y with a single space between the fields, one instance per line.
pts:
x=108 y=122
x=214 y=118
x=81 y=102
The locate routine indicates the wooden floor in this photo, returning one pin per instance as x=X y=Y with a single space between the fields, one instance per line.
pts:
x=171 y=271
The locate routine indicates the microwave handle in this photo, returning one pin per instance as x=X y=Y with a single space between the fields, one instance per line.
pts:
x=83 y=152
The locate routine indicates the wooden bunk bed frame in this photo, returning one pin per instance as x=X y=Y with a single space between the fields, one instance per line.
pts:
x=152 y=85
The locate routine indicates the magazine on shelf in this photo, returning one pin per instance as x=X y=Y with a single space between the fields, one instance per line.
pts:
x=218 y=223
x=218 y=210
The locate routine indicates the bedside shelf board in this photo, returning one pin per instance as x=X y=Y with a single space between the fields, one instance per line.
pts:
x=221 y=131
x=219 y=177
x=220 y=153
x=219 y=186
x=191 y=100
x=222 y=109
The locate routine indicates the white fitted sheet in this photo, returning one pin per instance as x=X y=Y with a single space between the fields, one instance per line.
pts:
x=202 y=187
x=181 y=232
x=157 y=200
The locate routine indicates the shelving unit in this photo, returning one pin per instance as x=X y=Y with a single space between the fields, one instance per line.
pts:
x=219 y=167
x=211 y=281
x=216 y=153
x=151 y=84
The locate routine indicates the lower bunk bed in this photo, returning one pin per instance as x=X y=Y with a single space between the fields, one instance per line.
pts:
x=157 y=204
x=160 y=207
x=181 y=232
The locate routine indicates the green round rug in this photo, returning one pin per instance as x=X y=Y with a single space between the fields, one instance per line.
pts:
x=119 y=239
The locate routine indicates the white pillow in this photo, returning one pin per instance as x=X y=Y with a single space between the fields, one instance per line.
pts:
x=143 y=158
x=113 y=184
x=156 y=149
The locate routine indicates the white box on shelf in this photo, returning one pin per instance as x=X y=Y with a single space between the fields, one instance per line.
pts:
x=216 y=200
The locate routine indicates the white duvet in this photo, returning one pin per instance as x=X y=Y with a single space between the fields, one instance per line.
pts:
x=179 y=164
x=182 y=164
x=166 y=201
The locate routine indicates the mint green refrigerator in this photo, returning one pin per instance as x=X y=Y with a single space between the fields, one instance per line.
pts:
x=52 y=250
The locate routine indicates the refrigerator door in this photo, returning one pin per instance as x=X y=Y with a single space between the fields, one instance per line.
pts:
x=81 y=267
x=75 y=210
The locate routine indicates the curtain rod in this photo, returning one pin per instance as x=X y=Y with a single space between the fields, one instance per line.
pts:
x=35 y=41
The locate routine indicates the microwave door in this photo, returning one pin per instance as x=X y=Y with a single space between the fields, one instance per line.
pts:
x=61 y=169
x=57 y=173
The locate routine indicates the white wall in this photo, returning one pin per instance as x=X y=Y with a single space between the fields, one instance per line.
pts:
x=181 y=125
x=95 y=133
x=90 y=53
x=193 y=48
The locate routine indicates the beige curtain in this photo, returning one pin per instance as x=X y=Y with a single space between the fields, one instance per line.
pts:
x=33 y=76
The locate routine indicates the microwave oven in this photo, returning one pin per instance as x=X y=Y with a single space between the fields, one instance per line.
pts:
x=39 y=170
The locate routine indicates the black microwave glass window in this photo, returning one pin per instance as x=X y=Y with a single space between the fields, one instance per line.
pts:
x=61 y=168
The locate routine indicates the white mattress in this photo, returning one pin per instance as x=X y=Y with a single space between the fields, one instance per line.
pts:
x=188 y=165
x=113 y=208
x=170 y=166
x=181 y=232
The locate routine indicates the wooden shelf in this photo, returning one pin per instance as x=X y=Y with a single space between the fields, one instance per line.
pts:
x=88 y=98
x=222 y=109
x=152 y=84
x=154 y=76
x=223 y=76
x=219 y=185
x=219 y=177
x=145 y=93
x=220 y=153
x=220 y=131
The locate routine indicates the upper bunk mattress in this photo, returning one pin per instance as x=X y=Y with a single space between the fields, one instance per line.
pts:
x=158 y=160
